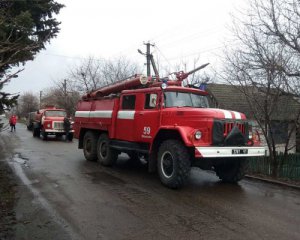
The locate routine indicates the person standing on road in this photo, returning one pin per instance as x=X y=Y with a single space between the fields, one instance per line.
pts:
x=67 y=126
x=13 y=122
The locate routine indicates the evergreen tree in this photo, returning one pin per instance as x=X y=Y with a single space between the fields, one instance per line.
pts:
x=25 y=27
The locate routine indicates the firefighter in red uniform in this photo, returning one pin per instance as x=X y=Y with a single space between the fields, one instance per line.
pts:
x=13 y=122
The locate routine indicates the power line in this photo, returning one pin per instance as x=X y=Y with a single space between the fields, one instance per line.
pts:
x=195 y=53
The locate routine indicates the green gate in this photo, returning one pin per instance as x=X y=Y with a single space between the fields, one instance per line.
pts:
x=290 y=167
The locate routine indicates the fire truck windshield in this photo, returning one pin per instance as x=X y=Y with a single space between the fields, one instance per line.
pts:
x=185 y=99
x=55 y=114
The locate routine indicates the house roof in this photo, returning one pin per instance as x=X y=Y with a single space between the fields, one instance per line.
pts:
x=232 y=98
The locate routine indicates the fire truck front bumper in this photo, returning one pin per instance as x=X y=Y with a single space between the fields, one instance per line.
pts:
x=221 y=152
x=57 y=131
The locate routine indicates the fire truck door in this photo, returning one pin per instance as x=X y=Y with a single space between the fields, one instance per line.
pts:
x=147 y=119
x=125 y=118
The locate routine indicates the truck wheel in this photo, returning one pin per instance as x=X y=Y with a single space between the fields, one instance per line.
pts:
x=233 y=171
x=173 y=163
x=90 y=146
x=44 y=135
x=36 y=132
x=106 y=155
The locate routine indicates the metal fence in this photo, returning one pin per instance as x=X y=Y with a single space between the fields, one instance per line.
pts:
x=290 y=167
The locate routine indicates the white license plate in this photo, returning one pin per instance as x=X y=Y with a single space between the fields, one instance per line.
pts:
x=239 y=151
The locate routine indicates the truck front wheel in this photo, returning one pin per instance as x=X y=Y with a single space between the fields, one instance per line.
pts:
x=90 y=146
x=36 y=132
x=173 y=163
x=44 y=135
x=106 y=155
x=232 y=171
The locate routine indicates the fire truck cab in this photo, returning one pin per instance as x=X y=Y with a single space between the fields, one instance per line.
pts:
x=172 y=126
x=50 y=121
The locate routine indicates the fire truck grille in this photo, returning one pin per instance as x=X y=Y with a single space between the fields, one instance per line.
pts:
x=221 y=129
x=58 y=125
x=229 y=125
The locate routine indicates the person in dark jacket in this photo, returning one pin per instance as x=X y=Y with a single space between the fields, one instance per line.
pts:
x=67 y=126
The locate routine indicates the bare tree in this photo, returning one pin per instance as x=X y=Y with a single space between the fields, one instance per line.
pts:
x=27 y=102
x=93 y=73
x=118 y=69
x=61 y=96
x=86 y=76
x=263 y=64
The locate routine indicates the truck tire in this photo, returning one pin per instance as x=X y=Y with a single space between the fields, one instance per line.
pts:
x=233 y=171
x=36 y=132
x=173 y=163
x=106 y=155
x=44 y=135
x=90 y=146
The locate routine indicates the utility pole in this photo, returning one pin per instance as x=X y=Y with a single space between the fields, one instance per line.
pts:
x=148 y=56
x=150 y=60
x=41 y=92
x=65 y=91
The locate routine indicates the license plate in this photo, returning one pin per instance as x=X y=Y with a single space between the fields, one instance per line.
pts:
x=239 y=151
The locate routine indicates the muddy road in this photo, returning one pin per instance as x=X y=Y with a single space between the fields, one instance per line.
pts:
x=65 y=197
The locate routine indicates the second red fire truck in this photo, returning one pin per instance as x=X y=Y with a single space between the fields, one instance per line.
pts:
x=50 y=121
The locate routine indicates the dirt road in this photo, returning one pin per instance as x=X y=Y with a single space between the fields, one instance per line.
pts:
x=62 y=196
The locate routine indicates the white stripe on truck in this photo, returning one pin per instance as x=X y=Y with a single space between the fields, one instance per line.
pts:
x=94 y=114
x=85 y=114
x=237 y=115
x=227 y=114
x=105 y=114
x=126 y=114
x=101 y=114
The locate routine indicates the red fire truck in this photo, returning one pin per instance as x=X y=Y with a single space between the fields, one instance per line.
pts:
x=171 y=126
x=50 y=121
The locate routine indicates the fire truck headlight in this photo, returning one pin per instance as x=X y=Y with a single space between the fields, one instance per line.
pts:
x=48 y=125
x=198 y=135
x=250 y=135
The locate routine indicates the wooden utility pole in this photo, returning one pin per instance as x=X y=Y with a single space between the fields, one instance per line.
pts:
x=65 y=91
x=148 y=56
x=41 y=93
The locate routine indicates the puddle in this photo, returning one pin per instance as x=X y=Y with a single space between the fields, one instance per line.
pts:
x=19 y=159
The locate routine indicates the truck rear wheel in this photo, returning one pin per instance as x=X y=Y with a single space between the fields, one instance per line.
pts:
x=106 y=155
x=173 y=163
x=233 y=171
x=90 y=146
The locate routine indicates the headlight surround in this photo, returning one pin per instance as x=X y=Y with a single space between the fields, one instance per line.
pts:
x=198 y=135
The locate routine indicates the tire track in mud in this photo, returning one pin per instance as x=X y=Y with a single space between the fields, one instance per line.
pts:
x=170 y=220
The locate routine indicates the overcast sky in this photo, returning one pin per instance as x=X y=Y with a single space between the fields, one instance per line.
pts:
x=181 y=30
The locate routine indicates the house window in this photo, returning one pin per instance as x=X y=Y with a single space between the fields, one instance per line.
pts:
x=279 y=131
x=128 y=102
x=150 y=101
